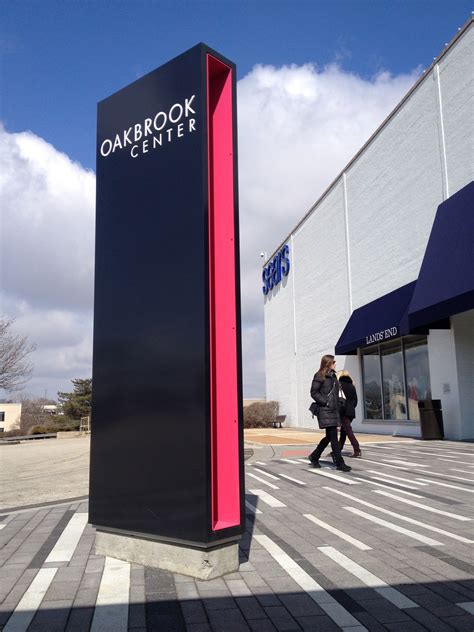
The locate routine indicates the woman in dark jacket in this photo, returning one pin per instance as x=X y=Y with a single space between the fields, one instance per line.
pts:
x=325 y=391
x=348 y=413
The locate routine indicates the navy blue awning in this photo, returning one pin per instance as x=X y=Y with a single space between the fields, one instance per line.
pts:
x=378 y=321
x=445 y=284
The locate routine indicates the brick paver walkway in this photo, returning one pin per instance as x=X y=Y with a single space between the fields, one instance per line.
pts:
x=385 y=547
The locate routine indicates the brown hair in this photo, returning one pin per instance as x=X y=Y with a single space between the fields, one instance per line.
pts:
x=326 y=364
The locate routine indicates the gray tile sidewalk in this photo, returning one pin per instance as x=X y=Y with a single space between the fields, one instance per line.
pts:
x=294 y=574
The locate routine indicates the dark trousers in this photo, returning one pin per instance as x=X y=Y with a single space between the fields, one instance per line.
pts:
x=331 y=436
x=346 y=431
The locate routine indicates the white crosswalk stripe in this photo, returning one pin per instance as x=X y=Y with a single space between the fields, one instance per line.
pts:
x=396 y=467
x=449 y=476
x=406 y=463
x=433 y=482
x=331 y=607
x=262 y=480
x=267 y=498
x=443 y=451
x=371 y=482
x=31 y=600
x=275 y=478
x=369 y=579
x=398 y=478
x=401 y=517
x=111 y=610
x=454 y=461
x=66 y=545
x=290 y=478
x=380 y=478
x=384 y=447
x=421 y=506
x=394 y=527
x=425 y=453
x=344 y=536
x=335 y=477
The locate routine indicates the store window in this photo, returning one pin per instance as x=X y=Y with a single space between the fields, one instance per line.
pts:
x=395 y=377
x=394 y=400
x=372 y=384
x=417 y=371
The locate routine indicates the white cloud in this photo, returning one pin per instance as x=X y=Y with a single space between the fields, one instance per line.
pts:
x=47 y=256
x=298 y=126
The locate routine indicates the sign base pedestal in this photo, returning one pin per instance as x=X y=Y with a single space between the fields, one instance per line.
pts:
x=198 y=563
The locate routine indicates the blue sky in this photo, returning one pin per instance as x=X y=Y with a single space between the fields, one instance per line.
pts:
x=315 y=80
x=60 y=58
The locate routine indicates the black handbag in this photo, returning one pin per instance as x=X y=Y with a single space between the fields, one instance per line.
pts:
x=314 y=409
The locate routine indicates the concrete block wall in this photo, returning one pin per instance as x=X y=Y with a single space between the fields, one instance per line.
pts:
x=368 y=234
x=463 y=329
x=456 y=79
x=393 y=191
x=444 y=379
x=321 y=291
x=280 y=345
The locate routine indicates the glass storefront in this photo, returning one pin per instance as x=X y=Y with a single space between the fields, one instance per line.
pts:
x=372 y=384
x=396 y=376
x=394 y=400
x=417 y=372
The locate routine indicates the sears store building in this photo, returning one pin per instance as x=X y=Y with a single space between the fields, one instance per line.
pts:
x=380 y=271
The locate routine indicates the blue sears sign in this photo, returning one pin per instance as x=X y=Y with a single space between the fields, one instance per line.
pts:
x=278 y=267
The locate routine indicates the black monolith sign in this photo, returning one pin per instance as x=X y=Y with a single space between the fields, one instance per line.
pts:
x=167 y=443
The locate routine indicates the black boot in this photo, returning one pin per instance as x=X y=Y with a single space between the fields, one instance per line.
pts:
x=314 y=459
x=342 y=467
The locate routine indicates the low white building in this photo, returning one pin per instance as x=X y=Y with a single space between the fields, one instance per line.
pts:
x=379 y=275
x=10 y=415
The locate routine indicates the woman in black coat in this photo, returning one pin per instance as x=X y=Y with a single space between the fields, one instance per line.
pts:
x=325 y=391
x=348 y=413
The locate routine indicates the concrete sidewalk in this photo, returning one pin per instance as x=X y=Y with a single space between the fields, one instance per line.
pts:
x=385 y=547
x=297 y=436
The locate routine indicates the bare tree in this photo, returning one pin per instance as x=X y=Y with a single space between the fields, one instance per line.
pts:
x=32 y=413
x=15 y=350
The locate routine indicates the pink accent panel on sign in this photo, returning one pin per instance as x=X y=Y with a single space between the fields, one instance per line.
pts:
x=225 y=478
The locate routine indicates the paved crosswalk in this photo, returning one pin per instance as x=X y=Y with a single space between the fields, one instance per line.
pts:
x=396 y=482
x=387 y=546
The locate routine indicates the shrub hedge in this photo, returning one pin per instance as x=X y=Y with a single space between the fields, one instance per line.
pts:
x=260 y=415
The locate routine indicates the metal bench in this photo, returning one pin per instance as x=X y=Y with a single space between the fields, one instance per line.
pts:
x=280 y=419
